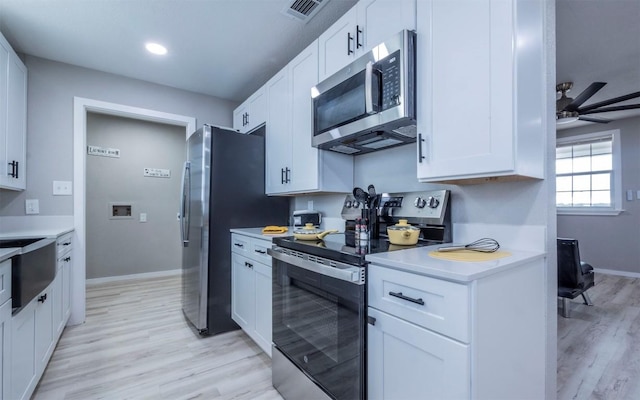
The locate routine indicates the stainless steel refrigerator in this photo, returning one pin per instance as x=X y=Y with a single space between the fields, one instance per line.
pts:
x=222 y=188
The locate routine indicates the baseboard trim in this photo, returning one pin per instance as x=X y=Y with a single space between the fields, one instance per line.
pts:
x=617 y=272
x=145 y=275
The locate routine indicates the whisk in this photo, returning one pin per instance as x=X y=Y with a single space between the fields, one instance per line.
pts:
x=484 y=245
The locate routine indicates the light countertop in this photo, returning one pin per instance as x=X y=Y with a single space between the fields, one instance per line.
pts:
x=257 y=232
x=8 y=253
x=50 y=233
x=418 y=261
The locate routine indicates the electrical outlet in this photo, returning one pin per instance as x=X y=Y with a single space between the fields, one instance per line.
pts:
x=143 y=217
x=32 y=206
x=310 y=205
x=62 y=188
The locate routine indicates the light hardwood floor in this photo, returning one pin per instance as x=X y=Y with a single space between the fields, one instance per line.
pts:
x=136 y=344
x=599 y=345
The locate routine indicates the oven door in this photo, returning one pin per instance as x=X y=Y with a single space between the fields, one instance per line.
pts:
x=319 y=325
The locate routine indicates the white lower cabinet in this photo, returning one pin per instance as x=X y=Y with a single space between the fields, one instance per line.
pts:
x=23 y=346
x=36 y=328
x=431 y=338
x=251 y=288
x=5 y=329
x=406 y=361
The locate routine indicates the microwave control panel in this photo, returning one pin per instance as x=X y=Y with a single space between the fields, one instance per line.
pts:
x=389 y=68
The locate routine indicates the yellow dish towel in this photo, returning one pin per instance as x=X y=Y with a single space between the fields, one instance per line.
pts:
x=468 y=255
x=272 y=229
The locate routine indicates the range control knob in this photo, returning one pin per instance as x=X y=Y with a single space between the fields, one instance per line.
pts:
x=419 y=202
x=347 y=204
x=356 y=204
x=432 y=202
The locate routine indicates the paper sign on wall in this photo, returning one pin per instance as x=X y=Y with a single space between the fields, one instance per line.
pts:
x=103 y=151
x=157 y=172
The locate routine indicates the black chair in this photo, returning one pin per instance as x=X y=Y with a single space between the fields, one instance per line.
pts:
x=574 y=276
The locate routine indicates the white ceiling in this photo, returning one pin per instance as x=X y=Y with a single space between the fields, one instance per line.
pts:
x=229 y=48
x=224 y=48
x=599 y=41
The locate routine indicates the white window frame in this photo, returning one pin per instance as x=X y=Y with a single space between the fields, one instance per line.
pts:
x=616 y=168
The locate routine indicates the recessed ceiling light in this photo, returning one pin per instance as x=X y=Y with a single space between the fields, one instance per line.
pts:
x=156 y=48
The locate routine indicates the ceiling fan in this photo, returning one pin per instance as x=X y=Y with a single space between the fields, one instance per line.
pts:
x=569 y=110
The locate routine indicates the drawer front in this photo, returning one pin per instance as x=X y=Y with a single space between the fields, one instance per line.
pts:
x=432 y=303
x=259 y=250
x=64 y=244
x=5 y=281
x=241 y=244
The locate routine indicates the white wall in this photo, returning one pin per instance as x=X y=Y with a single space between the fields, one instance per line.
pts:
x=607 y=241
x=125 y=246
x=51 y=89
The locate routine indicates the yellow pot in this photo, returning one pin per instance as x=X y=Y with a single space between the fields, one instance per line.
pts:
x=403 y=234
x=309 y=232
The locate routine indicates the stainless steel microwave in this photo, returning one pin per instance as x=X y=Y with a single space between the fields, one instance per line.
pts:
x=370 y=104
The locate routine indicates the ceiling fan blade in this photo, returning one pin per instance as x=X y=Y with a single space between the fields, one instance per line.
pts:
x=610 y=101
x=614 y=108
x=599 y=120
x=584 y=96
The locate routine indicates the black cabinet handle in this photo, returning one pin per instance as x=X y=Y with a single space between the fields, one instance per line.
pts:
x=247 y=118
x=403 y=297
x=66 y=243
x=67 y=259
x=17 y=169
x=420 y=140
x=282 y=175
x=42 y=298
x=260 y=251
x=349 y=40
x=247 y=264
x=358 y=33
x=14 y=169
x=371 y=320
x=287 y=178
x=239 y=245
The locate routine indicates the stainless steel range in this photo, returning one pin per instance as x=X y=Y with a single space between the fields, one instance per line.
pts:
x=319 y=295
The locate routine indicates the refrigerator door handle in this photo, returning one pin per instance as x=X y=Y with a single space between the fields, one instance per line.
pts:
x=185 y=208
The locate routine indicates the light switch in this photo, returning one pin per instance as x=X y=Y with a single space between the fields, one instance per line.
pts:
x=143 y=217
x=62 y=188
x=629 y=195
x=32 y=206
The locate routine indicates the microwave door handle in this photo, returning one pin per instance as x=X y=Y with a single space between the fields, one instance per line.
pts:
x=368 y=88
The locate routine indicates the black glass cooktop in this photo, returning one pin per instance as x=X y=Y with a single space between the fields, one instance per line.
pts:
x=340 y=247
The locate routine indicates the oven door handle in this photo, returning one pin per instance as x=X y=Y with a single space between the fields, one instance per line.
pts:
x=342 y=271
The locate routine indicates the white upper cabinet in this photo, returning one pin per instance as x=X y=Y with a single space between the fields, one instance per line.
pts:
x=13 y=118
x=293 y=165
x=364 y=26
x=252 y=113
x=480 y=92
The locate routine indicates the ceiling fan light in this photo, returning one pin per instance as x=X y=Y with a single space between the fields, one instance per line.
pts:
x=566 y=117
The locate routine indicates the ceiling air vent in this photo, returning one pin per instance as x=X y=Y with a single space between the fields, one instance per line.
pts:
x=303 y=10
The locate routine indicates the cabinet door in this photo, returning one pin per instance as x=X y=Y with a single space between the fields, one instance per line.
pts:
x=337 y=45
x=278 y=134
x=5 y=349
x=57 y=315
x=476 y=80
x=23 y=360
x=257 y=113
x=240 y=118
x=409 y=362
x=242 y=292
x=44 y=327
x=378 y=20
x=263 y=307
x=67 y=271
x=17 y=120
x=303 y=72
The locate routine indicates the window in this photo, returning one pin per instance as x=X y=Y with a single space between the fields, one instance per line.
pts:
x=588 y=174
